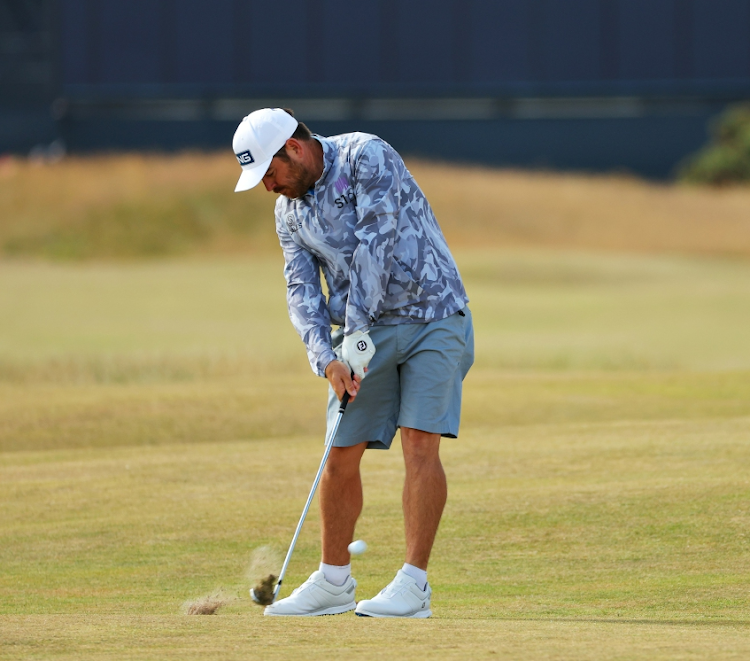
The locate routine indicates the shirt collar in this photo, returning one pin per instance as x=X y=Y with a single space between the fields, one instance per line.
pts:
x=329 y=152
x=328 y=157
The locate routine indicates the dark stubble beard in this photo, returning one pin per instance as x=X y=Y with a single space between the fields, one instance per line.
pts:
x=302 y=180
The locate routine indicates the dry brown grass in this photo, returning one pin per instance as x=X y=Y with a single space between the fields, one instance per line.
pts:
x=481 y=206
x=126 y=206
x=130 y=205
x=78 y=183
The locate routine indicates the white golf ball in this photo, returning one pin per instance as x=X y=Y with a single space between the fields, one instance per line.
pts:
x=358 y=547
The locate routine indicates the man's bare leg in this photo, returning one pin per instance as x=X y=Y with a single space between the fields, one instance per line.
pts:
x=425 y=493
x=340 y=502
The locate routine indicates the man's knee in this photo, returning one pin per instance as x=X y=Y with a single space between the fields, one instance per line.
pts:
x=420 y=446
x=344 y=463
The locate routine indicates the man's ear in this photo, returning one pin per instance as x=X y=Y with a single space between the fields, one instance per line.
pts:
x=294 y=148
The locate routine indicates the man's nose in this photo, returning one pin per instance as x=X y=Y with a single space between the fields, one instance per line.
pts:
x=269 y=184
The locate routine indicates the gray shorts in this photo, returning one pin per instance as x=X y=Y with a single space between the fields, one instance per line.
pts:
x=414 y=380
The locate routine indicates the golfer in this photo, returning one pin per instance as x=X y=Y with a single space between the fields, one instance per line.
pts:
x=348 y=207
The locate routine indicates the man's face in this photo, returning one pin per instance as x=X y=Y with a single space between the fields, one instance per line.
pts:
x=288 y=177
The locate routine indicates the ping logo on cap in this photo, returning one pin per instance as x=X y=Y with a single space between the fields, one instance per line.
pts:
x=245 y=157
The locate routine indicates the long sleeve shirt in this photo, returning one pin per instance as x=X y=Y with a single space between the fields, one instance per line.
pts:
x=370 y=230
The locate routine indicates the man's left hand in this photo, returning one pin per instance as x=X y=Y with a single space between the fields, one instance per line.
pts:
x=357 y=351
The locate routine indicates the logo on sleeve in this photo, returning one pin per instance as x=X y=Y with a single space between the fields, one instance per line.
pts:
x=245 y=157
x=291 y=223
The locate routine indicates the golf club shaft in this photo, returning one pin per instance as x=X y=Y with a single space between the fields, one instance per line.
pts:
x=329 y=445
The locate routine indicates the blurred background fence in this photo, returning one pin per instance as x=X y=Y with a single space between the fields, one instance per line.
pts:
x=575 y=84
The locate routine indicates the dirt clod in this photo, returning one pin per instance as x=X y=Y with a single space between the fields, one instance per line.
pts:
x=264 y=590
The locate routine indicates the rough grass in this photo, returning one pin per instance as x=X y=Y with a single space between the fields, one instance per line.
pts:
x=136 y=206
x=483 y=207
x=125 y=207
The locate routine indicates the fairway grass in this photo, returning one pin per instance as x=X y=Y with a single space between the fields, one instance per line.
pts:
x=630 y=537
x=159 y=423
x=111 y=355
x=170 y=637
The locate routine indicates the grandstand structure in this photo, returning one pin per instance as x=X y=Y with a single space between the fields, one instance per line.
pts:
x=591 y=85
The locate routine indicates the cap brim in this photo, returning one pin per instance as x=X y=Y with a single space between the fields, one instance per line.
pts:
x=251 y=177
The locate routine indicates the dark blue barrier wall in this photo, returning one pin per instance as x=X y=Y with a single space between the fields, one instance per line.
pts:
x=383 y=47
x=650 y=146
x=585 y=84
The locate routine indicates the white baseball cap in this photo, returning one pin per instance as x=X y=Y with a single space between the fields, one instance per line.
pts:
x=258 y=137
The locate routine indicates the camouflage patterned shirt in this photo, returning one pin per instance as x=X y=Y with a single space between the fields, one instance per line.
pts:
x=369 y=228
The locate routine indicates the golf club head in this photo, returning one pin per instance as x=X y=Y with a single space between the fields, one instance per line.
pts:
x=261 y=600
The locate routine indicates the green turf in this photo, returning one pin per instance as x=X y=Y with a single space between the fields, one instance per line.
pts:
x=158 y=423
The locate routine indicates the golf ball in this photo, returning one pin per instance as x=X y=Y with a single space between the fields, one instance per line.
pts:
x=358 y=547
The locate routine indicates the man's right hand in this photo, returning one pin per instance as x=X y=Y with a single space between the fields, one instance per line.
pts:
x=341 y=380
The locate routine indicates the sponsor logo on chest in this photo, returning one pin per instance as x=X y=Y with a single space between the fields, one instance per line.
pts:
x=346 y=194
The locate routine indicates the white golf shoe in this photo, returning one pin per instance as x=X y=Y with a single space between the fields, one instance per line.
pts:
x=400 y=598
x=316 y=596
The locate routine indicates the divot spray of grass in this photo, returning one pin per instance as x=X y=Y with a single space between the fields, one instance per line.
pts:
x=209 y=604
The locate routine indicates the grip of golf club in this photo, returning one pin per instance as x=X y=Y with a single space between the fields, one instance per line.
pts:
x=344 y=402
